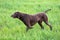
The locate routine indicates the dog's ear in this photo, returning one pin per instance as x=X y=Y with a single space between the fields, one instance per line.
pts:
x=16 y=13
x=20 y=15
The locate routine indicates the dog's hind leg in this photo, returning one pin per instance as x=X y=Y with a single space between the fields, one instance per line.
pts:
x=48 y=25
x=46 y=21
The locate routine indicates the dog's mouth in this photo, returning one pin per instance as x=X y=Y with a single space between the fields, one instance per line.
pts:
x=13 y=16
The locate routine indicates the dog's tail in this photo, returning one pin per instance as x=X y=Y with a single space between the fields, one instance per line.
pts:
x=47 y=10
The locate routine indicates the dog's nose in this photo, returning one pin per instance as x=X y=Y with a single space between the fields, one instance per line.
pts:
x=11 y=15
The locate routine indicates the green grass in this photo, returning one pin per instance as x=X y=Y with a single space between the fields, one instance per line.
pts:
x=14 y=29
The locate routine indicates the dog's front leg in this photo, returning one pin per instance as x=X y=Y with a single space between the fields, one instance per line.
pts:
x=27 y=23
x=27 y=29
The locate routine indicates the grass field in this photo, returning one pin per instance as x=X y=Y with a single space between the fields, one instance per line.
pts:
x=14 y=29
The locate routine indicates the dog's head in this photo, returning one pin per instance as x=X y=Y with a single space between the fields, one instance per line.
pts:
x=17 y=15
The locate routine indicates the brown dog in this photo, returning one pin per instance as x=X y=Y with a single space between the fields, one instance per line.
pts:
x=30 y=20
